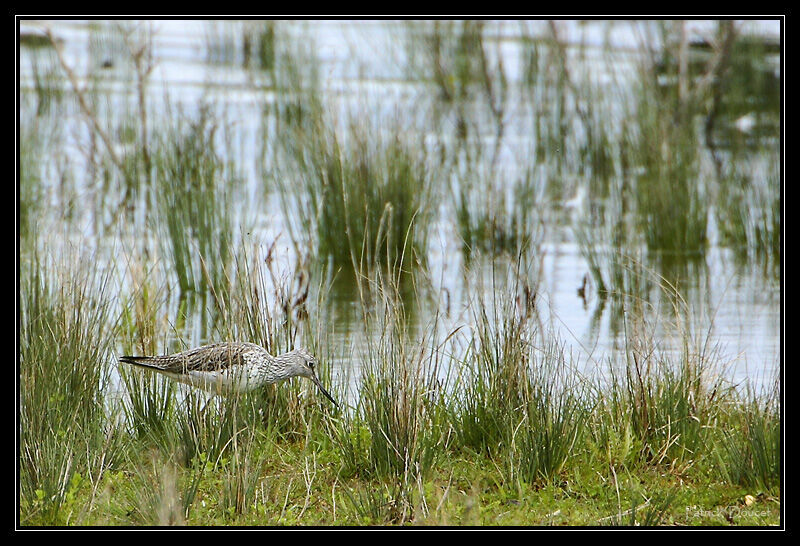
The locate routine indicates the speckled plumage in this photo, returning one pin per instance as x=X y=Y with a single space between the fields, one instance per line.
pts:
x=237 y=366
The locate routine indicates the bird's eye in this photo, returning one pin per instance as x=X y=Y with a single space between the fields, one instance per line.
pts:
x=311 y=364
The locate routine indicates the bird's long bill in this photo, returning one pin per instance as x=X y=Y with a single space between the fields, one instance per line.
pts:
x=326 y=393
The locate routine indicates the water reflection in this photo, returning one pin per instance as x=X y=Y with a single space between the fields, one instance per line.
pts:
x=555 y=185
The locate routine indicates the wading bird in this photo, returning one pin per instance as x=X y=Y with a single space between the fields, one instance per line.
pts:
x=225 y=368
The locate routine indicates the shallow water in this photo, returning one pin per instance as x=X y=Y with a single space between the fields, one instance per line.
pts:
x=361 y=66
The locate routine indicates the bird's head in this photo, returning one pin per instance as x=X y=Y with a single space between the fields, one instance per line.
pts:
x=303 y=363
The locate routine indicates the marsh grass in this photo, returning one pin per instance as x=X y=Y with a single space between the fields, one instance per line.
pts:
x=749 y=449
x=479 y=420
x=224 y=41
x=363 y=195
x=46 y=79
x=749 y=213
x=553 y=419
x=397 y=431
x=491 y=220
x=616 y=264
x=400 y=404
x=66 y=436
x=672 y=198
x=30 y=180
x=250 y=44
x=192 y=194
x=502 y=393
x=665 y=404
x=670 y=205
x=517 y=400
x=242 y=472
x=493 y=385
x=463 y=63
x=495 y=209
x=149 y=407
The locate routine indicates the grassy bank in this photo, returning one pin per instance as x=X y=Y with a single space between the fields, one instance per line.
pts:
x=490 y=424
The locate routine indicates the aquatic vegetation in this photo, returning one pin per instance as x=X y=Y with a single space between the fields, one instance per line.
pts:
x=65 y=338
x=749 y=451
x=364 y=197
x=413 y=227
x=192 y=194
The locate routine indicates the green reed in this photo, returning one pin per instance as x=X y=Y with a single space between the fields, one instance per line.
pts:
x=363 y=195
x=357 y=192
x=67 y=437
x=493 y=385
x=516 y=400
x=30 y=180
x=670 y=204
x=46 y=79
x=749 y=213
x=192 y=196
x=554 y=419
x=749 y=450
x=663 y=404
x=399 y=403
x=491 y=219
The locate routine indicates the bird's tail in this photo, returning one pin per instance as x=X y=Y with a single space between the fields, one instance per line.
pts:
x=144 y=361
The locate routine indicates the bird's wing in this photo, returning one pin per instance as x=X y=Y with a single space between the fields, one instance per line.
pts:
x=219 y=356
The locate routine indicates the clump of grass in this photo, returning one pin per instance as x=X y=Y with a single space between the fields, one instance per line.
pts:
x=553 y=419
x=149 y=407
x=399 y=406
x=749 y=449
x=665 y=403
x=492 y=220
x=670 y=204
x=516 y=398
x=241 y=473
x=671 y=195
x=493 y=385
x=46 y=79
x=66 y=435
x=363 y=196
x=221 y=42
x=194 y=209
x=358 y=193
x=615 y=260
x=748 y=216
x=246 y=43
x=30 y=180
x=768 y=229
x=188 y=426
x=454 y=55
x=397 y=430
